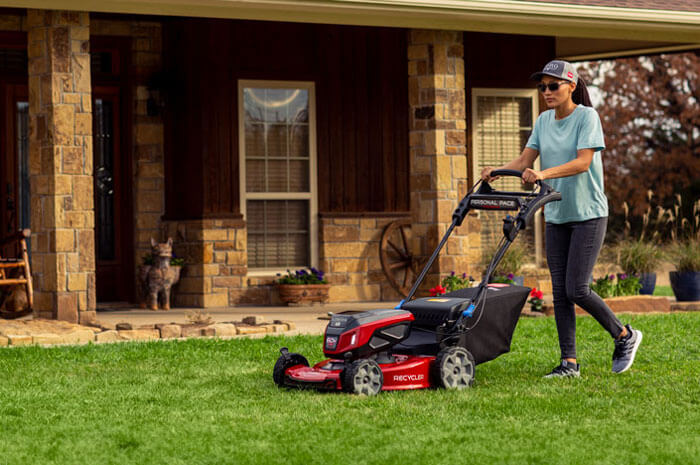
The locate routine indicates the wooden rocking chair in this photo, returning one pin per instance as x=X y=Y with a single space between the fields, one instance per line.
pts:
x=15 y=271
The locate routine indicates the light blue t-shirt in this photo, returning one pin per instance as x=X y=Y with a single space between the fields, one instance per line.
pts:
x=583 y=195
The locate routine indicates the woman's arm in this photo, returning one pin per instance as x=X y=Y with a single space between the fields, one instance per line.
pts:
x=583 y=160
x=525 y=160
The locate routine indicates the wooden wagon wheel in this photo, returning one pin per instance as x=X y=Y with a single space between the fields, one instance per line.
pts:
x=399 y=264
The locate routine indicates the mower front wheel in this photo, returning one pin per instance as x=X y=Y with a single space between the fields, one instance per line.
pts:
x=454 y=368
x=284 y=362
x=363 y=377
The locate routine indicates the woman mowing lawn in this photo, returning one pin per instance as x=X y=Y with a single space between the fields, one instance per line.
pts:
x=569 y=137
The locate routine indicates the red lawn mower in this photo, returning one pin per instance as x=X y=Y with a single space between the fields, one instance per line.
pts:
x=431 y=341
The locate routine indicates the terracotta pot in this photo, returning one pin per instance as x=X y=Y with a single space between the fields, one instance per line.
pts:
x=303 y=293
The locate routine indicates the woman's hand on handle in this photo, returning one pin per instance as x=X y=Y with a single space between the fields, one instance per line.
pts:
x=486 y=174
x=530 y=175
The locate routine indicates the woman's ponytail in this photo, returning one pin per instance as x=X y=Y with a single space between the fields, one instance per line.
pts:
x=580 y=95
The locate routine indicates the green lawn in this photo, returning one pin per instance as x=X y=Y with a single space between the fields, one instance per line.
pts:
x=664 y=291
x=214 y=402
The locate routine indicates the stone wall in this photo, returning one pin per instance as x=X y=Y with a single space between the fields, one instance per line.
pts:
x=438 y=150
x=349 y=254
x=216 y=262
x=60 y=164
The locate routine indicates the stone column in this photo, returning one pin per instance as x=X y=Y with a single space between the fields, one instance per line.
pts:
x=60 y=158
x=438 y=150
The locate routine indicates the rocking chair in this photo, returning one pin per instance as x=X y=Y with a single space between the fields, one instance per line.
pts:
x=15 y=271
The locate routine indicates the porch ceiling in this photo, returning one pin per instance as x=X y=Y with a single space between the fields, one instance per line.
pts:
x=612 y=29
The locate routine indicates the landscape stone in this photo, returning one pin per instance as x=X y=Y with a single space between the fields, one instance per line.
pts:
x=4 y=341
x=139 y=334
x=19 y=339
x=191 y=331
x=254 y=320
x=251 y=329
x=123 y=326
x=170 y=331
x=108 y=336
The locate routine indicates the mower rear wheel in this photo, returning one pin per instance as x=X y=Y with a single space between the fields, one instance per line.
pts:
x=363 y=377
x=283 y=363
x=454 y=368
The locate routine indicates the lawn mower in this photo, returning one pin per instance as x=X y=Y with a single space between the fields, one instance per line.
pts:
x=431 y=341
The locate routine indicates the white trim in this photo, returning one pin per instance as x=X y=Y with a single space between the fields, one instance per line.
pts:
x=311 y=196
x=503 y=16
x=500 y=92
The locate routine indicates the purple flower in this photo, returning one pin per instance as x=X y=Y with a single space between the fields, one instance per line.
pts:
x=623 y=276
x=464 y=276
x=452 y=274
x=510 y=276
x=611 y=277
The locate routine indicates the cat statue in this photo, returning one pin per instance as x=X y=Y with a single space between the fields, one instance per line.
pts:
x=158 y=278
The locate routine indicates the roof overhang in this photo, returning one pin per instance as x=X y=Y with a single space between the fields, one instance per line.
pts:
x=663 y=27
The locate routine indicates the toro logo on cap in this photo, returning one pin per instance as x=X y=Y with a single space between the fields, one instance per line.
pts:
x=551 y=67
x=570 y=75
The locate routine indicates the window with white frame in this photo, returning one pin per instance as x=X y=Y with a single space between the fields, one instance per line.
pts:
x=502 y=120
x=278 y=173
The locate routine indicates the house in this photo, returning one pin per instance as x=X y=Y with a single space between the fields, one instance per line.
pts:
x=267 y=135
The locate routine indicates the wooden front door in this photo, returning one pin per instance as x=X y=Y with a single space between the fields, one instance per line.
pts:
x=113 y=237
x=14 y=164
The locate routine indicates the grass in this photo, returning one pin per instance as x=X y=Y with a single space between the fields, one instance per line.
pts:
x=214 y=402
x=664 y=291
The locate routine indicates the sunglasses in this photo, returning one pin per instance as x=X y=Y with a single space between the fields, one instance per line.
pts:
x=553 y=86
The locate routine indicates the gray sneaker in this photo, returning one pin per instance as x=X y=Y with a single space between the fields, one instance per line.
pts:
x=625 y=350
x=565 y=370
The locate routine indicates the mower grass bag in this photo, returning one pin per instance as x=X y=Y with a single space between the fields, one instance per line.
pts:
x=486 y=340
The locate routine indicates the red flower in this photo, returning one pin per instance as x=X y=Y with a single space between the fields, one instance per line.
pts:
x=539 y=294
x=533 y=293
x=437 y=290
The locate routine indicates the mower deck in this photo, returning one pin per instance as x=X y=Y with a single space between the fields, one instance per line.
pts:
x=406 y=372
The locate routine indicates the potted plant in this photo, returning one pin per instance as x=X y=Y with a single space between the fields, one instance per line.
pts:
x=640 y=258
x=685 y=281
x=455 y=282
x=536 y=300
x=509 y=266
x=303 y=286
x=685 y=252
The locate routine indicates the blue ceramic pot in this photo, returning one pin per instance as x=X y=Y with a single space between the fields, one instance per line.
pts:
x=648 y=282
x=685 y=285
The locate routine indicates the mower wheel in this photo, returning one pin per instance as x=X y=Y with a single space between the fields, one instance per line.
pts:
x=454 y=368
x=363 y=377
x=283 y=363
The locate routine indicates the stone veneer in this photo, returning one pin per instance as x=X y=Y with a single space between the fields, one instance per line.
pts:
x=216 y=257
x=60 y=164
x=349 y=254
x=438 y=151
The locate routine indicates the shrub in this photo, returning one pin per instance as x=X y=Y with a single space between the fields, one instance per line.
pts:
x=512 y=261
x=686 y=255
x=607 y=287
x=638 y=256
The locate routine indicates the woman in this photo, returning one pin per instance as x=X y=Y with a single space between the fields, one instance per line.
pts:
x=569 y=137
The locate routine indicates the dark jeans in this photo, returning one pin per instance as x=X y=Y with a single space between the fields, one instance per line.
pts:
x=572 y=250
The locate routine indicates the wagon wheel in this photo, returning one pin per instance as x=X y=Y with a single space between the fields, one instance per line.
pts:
x=398 y=262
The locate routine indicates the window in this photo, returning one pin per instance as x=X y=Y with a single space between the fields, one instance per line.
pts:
x=278 y=173
x=502 y=120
